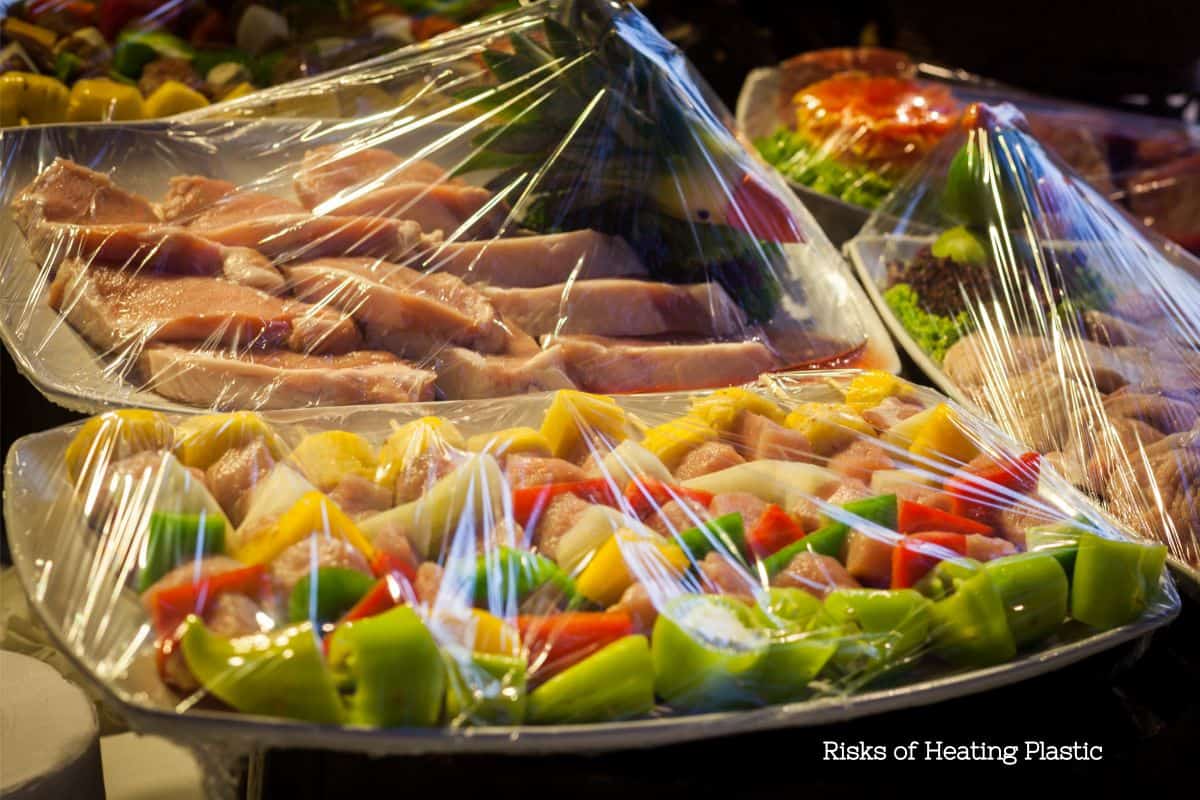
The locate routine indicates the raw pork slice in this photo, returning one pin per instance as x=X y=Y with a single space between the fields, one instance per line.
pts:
x=538 y=260
x=597 y=364
x=402 y=310
x=466 y=375
x=621 y=307
x=293 y=237
x=465 y=211
x=328 y=171
x=281 y=379
x=68 y=192
x=200 y=202
x=115 y=309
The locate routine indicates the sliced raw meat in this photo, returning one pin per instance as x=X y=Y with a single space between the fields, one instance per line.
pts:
x=281 y=379
x=407 y=312
x=295 y=237
x=707 y=458
x=986 y=548
x=757 y=437
x=637 y=603
x=721 y=576
x=68 y=192
x=1159 y=412
x=559 y=515
x=466 y=375
x=202 y=203
x=748 y=505
x=327 y=171
x=890 y=411
x=428 y=582
x=462 y=210
x=816 y=574
x=358 y=496
x=537 y=260
x=973 y=360
x=422 y=471
x=677 y=516
x=861 y=460
x=604 y=365
x=811 y=516
x=322 y=549
x=114 y=309
x=188 y=196
x=235 y=473
x=621 y=307
x=526 y=470
x=869 y=558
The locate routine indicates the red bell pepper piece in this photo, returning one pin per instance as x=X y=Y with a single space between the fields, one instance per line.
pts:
x=982 y=493
x=171 y=606
x=647 y=495
x=387 y=592
x=557 y=641
x=384 y=564
x=529 y=501
x=916 y=518
x=915 y=555
x=774 y=531
x=113 y=15
x=431 y=25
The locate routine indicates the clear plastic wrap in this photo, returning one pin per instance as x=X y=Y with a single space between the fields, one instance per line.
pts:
x=126 y=60
x=527 y=207
x=851 y=123
x=563 y=571
x=1020 y=288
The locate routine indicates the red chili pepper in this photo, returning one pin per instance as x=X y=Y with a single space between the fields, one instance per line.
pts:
x=557 y=641
x=529 y=501
x=916 y=518
x=646 y=495
x=774 y=531
x=980 y=494
x=171 y=606
x=917 y=554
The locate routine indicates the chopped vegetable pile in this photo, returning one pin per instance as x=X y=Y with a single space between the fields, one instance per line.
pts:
x=598 y=566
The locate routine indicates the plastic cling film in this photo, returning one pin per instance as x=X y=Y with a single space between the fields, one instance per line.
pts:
x=1025 y=291
x=387 y=568
x=537 y=207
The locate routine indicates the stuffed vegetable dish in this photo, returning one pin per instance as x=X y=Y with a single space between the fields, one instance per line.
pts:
x=578 y=561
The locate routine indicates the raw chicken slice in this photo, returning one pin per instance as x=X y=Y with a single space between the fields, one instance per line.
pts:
x=235 y=473
x=465 y=211
x=861 y=460
x=809 y=514
x=1159 y=412
x=310 y=554
x=522 y=469
x=757 y=437
x=68 y=192
x=707 y=458
x=330 y=170
x=537 y=260
x=200 y=202
x=466 y=375
x=281 y=379
x=407 y=312
x=637 y=603
x=974 y=360
x=816 y=574
x=869 y=558
x=429 y=582
x=359 y=497
x=721 y=576
x=294 y=237
x=748 y=505
x=621 y=307
x=889 y=411
x=603 y=365
x=677 y=516
x=555 y=520
x=115 y=309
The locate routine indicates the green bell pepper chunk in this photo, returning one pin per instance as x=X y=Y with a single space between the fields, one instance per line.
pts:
x=518 y=572
x=280 y=674
x=794 y=656
x=969 y=620
x=335 y=592
x=960 y=246
x=392 y=668
x=1114 y=581
x=1059 y=541
x=178 y=538
x=875 y=630
x=1033 y=588
x=706 y=650
x=486 y=688
x=787 y=607
x=729 y=529
x=136 y=49
x=615 y=683
x=829 y=539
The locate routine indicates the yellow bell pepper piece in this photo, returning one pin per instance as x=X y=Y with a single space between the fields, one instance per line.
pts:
x=314 y=513
x=510 y=440
x=607 y=575
x=722 y=408
x=101 y=99
x=870 y=388
x=33 y=99
x=241 y=90
x=572 y=415
x=828 y=426
x=943 y=438
x=202 y=440
x=672 y=440
x=115 y=435
x=494 y=635
x=327 y=457
x=173 y=98
x=412 y=440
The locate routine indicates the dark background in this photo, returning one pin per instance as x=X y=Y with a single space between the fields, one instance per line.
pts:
x=1141 y=702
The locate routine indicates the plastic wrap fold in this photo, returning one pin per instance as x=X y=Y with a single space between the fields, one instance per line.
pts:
x=535 y=207
x=1022 y=289
x=852 y=123
x=563 y=570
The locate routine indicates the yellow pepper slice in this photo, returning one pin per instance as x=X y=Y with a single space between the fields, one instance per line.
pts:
x=36 y=99
x=241 y=90
x=828 y=426
x=412 y=440
x=202 y=440
x=607 y=575
x=115 y=435
x=173 y=98
x=722 y=408
x=672 y=440
x=314 y=513
x=869 y=389
x=509 y=441
x=943 y=438
x=572 y=415
x=327 y=457
x=101 y=99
